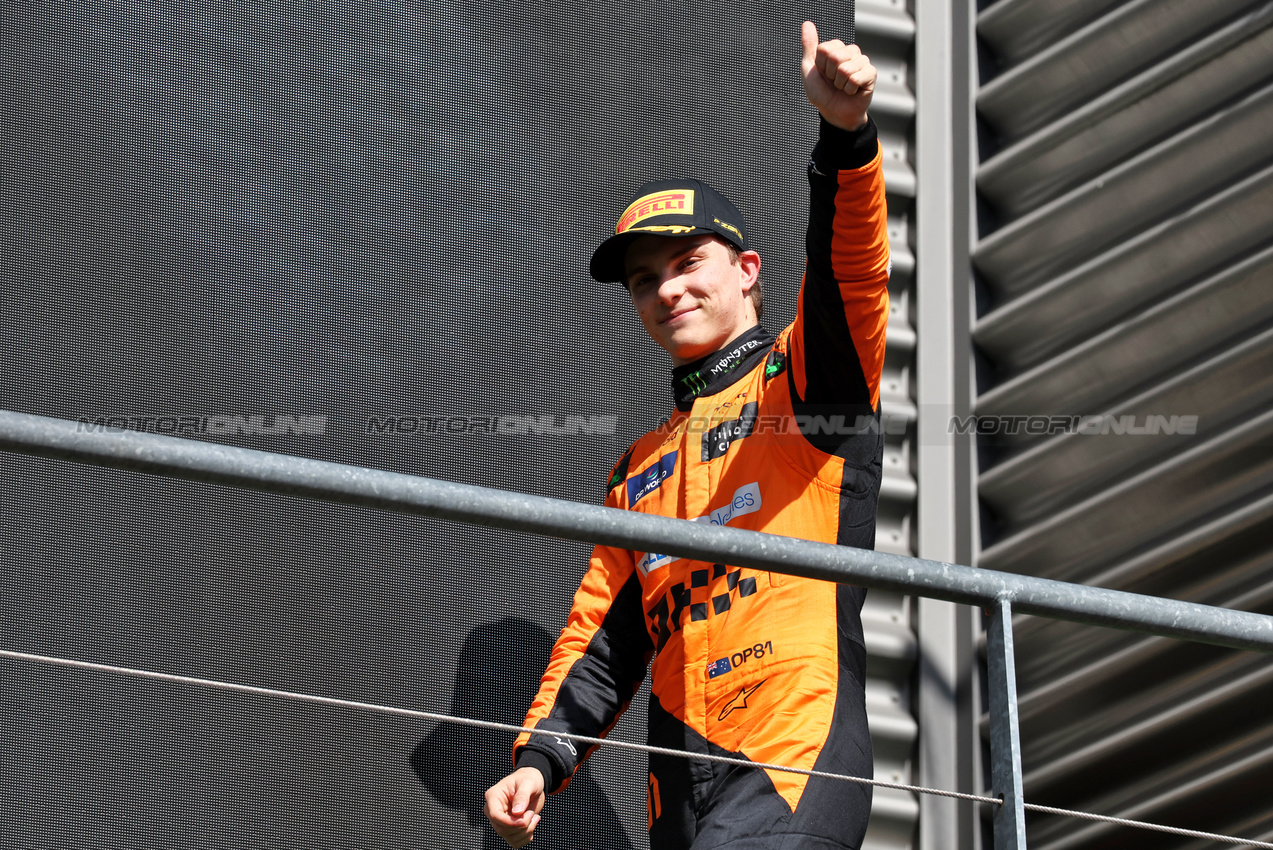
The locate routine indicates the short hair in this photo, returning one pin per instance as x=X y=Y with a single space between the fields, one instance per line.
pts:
x=756 y=295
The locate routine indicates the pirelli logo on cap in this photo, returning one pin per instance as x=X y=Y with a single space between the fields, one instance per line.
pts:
x=675 y=202
x=729 y=226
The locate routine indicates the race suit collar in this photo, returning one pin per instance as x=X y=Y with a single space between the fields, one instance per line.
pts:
x=716 y=371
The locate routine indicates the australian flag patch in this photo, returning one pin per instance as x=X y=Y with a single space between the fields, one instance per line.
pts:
x=719 y=667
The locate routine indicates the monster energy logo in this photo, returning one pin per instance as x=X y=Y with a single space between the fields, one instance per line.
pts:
x=694 y=382
x=730 y=361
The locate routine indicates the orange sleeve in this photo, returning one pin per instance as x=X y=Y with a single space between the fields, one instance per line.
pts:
x=837 y=340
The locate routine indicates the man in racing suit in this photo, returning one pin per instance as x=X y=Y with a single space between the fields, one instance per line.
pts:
x=776 y=434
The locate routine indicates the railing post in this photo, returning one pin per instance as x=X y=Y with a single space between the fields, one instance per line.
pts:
x=1005 y=731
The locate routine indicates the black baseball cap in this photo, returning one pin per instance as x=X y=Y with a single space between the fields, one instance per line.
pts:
x=678 y=207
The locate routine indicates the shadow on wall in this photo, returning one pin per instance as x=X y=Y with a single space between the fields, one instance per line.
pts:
x=498 y=676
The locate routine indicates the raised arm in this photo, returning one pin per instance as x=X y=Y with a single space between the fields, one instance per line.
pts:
x=837 y=343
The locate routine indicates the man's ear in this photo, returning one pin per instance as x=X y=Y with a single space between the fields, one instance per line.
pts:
x=749 y=263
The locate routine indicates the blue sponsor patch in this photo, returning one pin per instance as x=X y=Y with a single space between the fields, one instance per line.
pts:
x=647 y=482
x=719 y=667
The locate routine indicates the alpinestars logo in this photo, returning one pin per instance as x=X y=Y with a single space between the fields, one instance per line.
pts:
x=740 y=700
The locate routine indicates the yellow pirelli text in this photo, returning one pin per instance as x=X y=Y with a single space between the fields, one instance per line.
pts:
x=676 y=202
x=729 y=226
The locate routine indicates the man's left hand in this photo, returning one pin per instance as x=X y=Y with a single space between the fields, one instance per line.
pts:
x=838 y=78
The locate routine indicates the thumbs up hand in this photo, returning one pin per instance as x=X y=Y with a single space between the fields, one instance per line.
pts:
x=839 y=79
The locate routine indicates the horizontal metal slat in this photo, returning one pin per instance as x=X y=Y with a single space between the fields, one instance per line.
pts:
x=1139 y=193
x=1110 y=49
x=897 y=488
x=1257 y=824
x=1071 y=672
x=1150 y=721
x=1222 y=560
x=901 y=255
x=901 y=410
x=900 y=179
x=892 y=642
x=1017 y=29
x=1108 y=733
x=893 y=730
x=1066 y=704
x=1223 y=469
x=1130 y=117
x=893 y=734
x=1165 y=337
x=893 y=527
x=1075 y=304
x=892 y=534
x=1057 y=471
x=878 y=22
x=1234 y=774
x=901 y=336
x=893 y=817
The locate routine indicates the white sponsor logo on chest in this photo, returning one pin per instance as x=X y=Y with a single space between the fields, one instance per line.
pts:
x=746 y=500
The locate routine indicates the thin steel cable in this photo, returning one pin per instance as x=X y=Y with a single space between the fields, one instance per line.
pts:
x=466 y=721
x=1157 y=827
x=646 y=748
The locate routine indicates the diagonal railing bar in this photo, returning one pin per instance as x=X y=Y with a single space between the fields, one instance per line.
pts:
x=342 y=483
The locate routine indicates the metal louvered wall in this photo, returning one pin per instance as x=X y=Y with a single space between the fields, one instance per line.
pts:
x=1124 y=264
x=886 y=31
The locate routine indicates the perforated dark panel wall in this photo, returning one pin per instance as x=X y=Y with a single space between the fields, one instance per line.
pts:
x=352 y=220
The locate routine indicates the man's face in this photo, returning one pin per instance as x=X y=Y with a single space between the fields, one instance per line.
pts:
x=690 y=295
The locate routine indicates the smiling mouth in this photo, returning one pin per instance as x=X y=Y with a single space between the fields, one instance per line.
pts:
x=677 y=315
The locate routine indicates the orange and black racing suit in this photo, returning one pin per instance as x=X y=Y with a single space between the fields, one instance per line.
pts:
x=771 y=434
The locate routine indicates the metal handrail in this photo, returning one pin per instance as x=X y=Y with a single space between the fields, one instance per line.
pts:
x=1002 y=593
x=336 y=482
